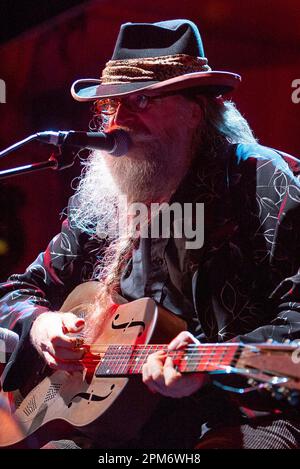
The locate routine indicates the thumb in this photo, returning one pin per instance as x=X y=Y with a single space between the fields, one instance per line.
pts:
x=72 y=323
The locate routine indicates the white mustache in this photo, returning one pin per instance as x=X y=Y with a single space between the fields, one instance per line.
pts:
x=142 y=138
x=137 y=137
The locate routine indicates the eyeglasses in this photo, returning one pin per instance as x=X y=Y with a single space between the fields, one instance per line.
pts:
x=135 y=103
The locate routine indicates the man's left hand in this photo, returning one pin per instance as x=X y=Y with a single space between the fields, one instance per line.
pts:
x=160 y=375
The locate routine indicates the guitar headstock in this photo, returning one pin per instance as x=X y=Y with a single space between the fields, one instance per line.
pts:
x=273 y=367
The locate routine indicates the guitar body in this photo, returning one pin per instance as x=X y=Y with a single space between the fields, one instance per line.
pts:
x=108 y=402
x=111 y=410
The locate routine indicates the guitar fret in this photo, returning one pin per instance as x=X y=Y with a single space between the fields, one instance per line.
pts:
x=114 y=364
x=136 y=363
x=187 y=362
x=137 y=360
x=119 y=361
x=125 y=359
x=211 y=359
x=219 y=355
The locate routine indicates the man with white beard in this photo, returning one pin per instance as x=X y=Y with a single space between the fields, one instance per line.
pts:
x=188 y=145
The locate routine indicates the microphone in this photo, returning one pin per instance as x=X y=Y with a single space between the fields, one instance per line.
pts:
x=8 y=342
x=116 y=143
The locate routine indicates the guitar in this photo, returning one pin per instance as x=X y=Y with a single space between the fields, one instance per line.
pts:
x=108 y=394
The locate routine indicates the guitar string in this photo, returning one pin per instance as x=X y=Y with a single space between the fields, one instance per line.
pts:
x=140 y=349
x=175 y=353
x=114 y=355
x=112 y=362
x=134 y=370
x=182 y=356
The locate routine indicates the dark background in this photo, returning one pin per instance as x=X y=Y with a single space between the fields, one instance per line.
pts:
x=45 y=45
x=19 y=16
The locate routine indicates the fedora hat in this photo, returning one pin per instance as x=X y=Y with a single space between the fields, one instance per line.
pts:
x=156 y=57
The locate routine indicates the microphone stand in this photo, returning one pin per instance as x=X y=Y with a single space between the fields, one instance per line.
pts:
x=62 y=159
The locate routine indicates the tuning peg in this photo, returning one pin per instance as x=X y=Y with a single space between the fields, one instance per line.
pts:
x=277 y=395
x=268 y=387
x=293 y=398
x=252 y=382
x=284 y=391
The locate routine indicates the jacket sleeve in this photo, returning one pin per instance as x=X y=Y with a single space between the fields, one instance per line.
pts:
x=43 y=287
x=283 y=299
x=285 y=325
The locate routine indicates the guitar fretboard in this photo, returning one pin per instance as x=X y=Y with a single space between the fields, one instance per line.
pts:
x=122 y=360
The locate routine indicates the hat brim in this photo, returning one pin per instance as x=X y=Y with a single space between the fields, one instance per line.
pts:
x=214 y=82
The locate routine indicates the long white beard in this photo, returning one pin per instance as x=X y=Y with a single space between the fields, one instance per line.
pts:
x=106 y=178
x=142 y=180
x=150 y=172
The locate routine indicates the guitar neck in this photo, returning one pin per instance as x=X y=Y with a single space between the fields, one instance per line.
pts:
x=124 y=360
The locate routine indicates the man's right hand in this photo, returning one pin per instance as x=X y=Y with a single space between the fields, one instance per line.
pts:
x=48 y=335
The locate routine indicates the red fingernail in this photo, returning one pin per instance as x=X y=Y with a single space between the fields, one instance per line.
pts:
x=80 y=322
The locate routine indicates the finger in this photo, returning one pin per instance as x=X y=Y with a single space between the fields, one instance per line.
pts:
x=63 y=347
x=157 y=357
x=49 y=359
x=58 y=365
x=153 y=371
x=182 y=340
x=147 y=379
x=63 y=341
x=155 y=364
x=72 y=323
x=171 y=375
x=64 y=354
